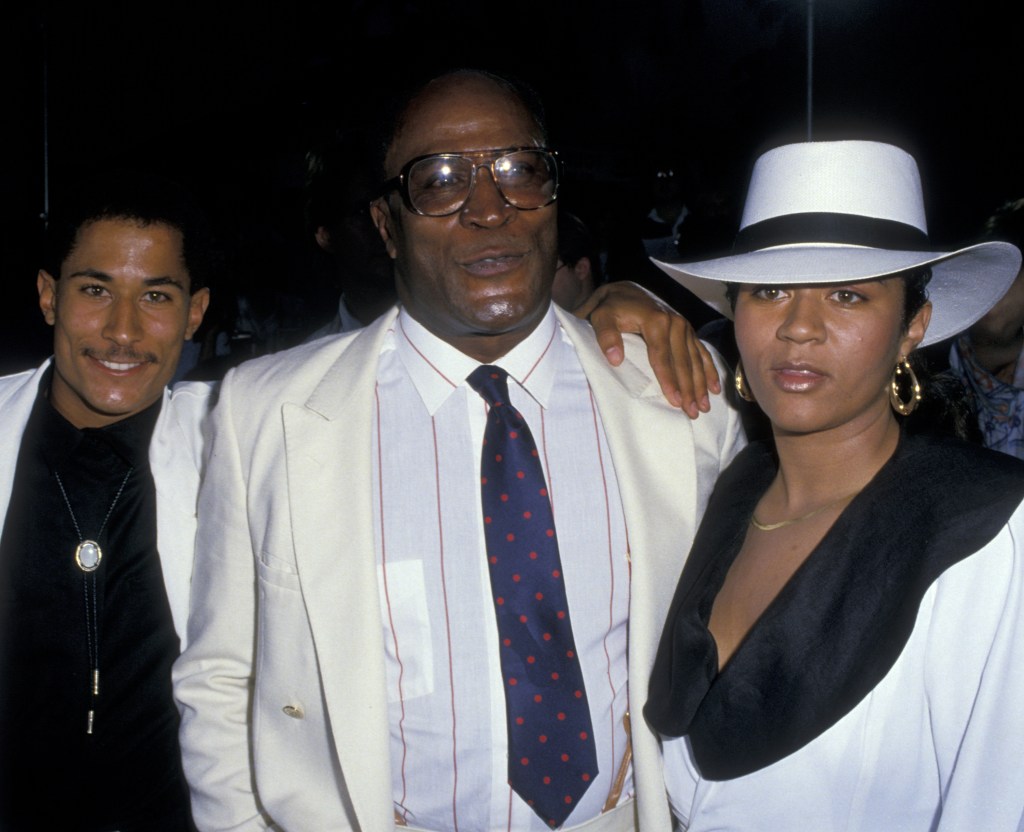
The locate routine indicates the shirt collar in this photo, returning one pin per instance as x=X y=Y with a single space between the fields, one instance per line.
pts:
x=128 y=438
x=437 y=368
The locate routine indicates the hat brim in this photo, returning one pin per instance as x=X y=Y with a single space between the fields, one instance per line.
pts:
x=965 y=283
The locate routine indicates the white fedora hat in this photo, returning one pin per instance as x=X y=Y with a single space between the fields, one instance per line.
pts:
x=836 y=212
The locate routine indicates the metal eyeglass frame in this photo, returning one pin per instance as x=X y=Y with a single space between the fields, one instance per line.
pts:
x=401 y=182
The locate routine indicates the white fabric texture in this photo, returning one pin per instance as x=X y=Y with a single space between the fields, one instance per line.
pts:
x=935 y=747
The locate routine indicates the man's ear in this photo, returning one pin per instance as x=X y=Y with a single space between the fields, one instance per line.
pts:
x=380 y=213
x=582 y=270
x=47 y=287
x=323 y=239
x=197 y=305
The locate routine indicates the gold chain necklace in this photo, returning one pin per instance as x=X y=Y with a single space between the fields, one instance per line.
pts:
x=769 y=527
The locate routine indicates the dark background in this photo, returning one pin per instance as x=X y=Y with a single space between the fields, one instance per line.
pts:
x=228 y=97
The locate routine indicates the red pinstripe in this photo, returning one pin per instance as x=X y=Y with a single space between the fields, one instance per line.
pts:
x=387 y=598
x=426 y=360
x=611 y=572
x=448 y=629
x=540 y=358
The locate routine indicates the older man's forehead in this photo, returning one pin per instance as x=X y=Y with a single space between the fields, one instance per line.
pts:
x=455 y=113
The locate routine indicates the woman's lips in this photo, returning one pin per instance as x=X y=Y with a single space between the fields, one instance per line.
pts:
x=797 y=378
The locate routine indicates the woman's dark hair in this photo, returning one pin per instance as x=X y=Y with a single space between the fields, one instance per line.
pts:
x=915 y=283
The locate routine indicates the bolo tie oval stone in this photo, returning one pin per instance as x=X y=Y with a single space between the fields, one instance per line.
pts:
x=88 y=555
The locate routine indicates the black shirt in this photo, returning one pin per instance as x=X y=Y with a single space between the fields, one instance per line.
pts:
x=59 y=623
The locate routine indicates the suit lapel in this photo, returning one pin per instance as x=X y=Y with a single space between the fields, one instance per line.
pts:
x=328 y=449
x=16 y=404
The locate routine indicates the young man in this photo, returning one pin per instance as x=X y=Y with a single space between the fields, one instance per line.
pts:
x=99 y=472
x=349 y=592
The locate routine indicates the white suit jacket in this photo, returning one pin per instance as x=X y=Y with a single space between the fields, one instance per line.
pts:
x=285 y=601
x=175 y=454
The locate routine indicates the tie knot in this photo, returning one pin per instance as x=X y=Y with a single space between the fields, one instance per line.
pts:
x=491 y=383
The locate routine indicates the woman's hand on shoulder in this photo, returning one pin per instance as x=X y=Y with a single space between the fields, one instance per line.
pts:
x=681 y=363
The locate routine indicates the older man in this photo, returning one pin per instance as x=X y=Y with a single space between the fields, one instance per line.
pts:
x=434 y=556
x=99 y=474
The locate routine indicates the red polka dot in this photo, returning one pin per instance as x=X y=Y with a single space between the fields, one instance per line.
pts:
x=513 y=434
x=525 y=761
x=568 y=798
x=569 y=654
x=510 y=537
x=520 y=720
x=547 y=781
x=513 y=681
x=583 y=735
x=516 y=578
x=522 y=619
x=530 y=659
x=533 y=556
x=537 y=697
x=520 y=475
x=557 y=573
x=504 y=498
x=483 y=480
x=542 y=738
x=533 y=452
x=561 y=714
x=497 y=457
x=550 y=532
x=539 y=596
x=565 y=758
x=527 y=514
x=554 y=676
x=499 y=600
x=487 y=519
x=543 y=492
x=560 y=614
x=493 y=559
x=578 y=694
x=507 y=642
x=547 y=636
x=585 y=777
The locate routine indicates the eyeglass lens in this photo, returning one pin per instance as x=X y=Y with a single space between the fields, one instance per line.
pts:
x=440 y=185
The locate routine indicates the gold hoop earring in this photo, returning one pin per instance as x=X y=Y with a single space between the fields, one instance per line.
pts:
x=741 y=387
x=908 y=405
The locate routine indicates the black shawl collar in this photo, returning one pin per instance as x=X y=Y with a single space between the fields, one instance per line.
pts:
x=839 y=625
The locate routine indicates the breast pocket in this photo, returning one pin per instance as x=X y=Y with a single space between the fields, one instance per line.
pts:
x=407 y=631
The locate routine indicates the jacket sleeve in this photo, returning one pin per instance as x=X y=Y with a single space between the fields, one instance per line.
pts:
x=977 y=639
x=213 y=677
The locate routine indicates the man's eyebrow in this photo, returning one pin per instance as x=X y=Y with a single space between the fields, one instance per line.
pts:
x=92 y=273
x=103 y=277
x=167 y=280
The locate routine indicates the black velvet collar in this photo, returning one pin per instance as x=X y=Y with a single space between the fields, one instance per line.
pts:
x=840 y=623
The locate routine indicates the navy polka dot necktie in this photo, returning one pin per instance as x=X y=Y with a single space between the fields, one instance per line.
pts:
x=552 y=757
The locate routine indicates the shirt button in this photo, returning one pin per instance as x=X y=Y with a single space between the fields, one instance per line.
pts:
x=294 y=711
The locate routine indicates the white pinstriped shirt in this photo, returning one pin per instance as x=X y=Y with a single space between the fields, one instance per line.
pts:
x=445 y=694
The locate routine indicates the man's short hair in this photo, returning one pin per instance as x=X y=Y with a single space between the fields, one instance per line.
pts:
x=141 y=198
x=1007 y=223
x=575 y=241
x=394 y=118
x=340 y=178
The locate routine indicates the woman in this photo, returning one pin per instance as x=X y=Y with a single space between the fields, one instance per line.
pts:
x=845 y=649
